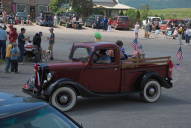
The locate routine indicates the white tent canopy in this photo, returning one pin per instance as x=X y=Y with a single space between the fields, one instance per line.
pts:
x=111 y=6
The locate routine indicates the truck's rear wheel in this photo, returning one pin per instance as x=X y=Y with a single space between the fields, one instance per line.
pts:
x=63 y=98
x=151 y=91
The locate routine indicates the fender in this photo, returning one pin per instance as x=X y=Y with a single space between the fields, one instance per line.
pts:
x=80 y=89
x=154 y=75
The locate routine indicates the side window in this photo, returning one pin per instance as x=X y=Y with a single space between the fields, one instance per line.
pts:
x=81 y=53
x=104 y=56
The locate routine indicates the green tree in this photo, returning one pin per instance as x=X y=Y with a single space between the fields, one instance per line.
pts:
x=145 y=11
x=55 y=5
x=138 y=16
x=162 y=16
x=82 y=7
x=131 y=13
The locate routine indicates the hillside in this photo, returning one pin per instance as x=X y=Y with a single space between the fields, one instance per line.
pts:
x=179 y=13
x=158 y=4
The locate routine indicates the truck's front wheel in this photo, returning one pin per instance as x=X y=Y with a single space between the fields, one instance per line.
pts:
x=63 y=98
x=151 y=91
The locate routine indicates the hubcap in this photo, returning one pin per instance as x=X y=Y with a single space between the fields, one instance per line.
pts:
x=151 y=91
x=63 y=99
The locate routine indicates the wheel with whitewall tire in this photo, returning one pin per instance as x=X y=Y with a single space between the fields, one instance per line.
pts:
x=63 y=98
x=151 y=91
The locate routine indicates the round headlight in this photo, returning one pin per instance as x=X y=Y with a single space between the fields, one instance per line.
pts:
x=49 y=76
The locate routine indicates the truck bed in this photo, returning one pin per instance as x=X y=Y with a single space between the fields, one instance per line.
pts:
x=133 y=68
x=142 y=62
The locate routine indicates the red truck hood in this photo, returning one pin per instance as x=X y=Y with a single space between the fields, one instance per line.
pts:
x=70 y=70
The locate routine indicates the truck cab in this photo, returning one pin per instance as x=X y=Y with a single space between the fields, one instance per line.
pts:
x=95 y=70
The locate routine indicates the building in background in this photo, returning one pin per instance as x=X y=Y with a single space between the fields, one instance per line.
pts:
x=6 y=5
x=110 y=7
x=31 y=7
x=107 y=7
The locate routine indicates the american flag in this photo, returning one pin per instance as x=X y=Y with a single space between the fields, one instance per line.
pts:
x=179 y=54
x=135 y=44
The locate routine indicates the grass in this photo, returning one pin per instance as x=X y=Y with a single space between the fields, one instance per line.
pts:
x=174 y=13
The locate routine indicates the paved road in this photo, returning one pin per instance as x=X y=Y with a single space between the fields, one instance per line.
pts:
x=173 y=110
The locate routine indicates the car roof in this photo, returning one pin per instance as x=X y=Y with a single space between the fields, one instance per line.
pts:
x=97 y=44
x=121 y=16
x=11 y=104
x=173 y=20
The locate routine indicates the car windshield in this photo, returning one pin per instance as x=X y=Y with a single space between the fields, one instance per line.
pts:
x=81 y=54
x=45 y=117
x=177 y=22
x=123 y=18
x=21 y=14
x=156 y=19
x=164 y=22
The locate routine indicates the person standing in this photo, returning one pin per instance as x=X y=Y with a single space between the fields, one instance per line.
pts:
x=136 y=29
x=4 y=13
x=21 y=43
x=3 y=38
x=109 y=25
x=188 y=35
x=37 y=43
x=8 y=57
x=13 y=35
x=55 y=20
x=180 y=31
x=51 y=42
x=105 y=23
x=147 y=28
x=14 y=58
x=37 y=40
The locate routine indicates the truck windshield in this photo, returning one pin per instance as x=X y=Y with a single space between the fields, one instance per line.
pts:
x=81 y=54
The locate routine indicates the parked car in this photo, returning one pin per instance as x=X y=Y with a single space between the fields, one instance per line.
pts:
x=46 y=19
x=93 y=21
x=151 y=19
x=165 y=24
x=21 y=112
x=188 y=22
x=88 y=75
x=66 y=17
x=121 y=22
x=21 y=16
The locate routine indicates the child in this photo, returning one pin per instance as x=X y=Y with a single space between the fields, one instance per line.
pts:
x=8 y=57
x=15 y=53
x=123 y=53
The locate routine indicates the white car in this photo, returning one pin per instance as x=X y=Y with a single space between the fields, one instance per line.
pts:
x=151 y=19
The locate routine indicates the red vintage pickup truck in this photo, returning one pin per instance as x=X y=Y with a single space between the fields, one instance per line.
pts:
x=93 y=72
